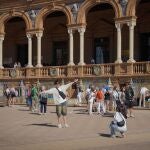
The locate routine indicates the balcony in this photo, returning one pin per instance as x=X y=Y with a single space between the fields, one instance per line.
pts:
x=88 y=71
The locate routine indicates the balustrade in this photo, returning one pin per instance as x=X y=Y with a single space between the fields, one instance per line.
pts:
x=99 y=70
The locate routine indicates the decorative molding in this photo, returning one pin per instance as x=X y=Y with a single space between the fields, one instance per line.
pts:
x=74 y=9
x=123 y=4
x=53 y=72
x=13 y=73
x=97 y=70
x=33 y=14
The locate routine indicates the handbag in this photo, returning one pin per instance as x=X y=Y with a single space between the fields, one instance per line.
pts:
x=121 y=123
x=61 y=94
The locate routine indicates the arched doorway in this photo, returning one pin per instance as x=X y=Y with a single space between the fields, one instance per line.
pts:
x=143 y=31
x=15 y=47
x=55 y=40
x=100 y=35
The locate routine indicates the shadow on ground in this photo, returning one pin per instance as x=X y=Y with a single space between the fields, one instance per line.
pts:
x=43 y=125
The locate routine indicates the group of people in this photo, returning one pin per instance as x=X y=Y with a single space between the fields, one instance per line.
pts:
x=122 y=100
x=17 y=65
x=102 y=97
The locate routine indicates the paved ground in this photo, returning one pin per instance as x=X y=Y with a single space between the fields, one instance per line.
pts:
x=22 y=130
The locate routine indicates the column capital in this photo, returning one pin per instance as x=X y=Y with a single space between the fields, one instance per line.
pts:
x=39 y=34
x=131 y=24
x=29 y=36
x=118 y=26
x=2 y=37
x=70 y=31
x=81 y=29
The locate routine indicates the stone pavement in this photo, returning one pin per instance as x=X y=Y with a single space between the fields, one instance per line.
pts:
x=22 y=130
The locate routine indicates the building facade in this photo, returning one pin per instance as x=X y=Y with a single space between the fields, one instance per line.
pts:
x=59 y=38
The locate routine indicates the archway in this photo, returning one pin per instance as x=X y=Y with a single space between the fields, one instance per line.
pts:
x=55 y=40
x=15 y=47
x=100 y=35
x=142 y=31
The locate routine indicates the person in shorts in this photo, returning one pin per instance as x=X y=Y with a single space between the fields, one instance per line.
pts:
x=60 y=99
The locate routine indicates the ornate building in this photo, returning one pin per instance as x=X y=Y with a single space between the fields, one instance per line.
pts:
x=58 y=38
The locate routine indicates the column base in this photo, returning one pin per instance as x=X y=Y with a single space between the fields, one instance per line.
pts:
x=39 y=65
x=118 y=61
x=71 y=64
x=131 y=61
x=1 y=67
x=29 y=66
x=81 y=63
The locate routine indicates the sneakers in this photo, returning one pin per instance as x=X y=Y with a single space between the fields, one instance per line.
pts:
x=113 y=136
x=65 y=126
x=132 y=116
x=59 y=126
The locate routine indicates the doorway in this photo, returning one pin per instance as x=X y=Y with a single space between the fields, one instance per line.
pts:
x=60 y=53
x=101 y=46
x=22 y=54
x=144 y=47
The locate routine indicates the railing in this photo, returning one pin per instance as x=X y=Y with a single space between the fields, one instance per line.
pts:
x=95 y=70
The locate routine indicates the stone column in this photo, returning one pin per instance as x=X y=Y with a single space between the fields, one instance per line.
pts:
x=71 y=47
x=39 y=36
x=29 y=36
x=118 y=26
x=81 y=31
x=131 y=41
x=1 y=51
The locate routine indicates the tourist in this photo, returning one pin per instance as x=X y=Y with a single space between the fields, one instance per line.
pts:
x=12 y=95
x=91 y=100
x=8 y=96
x=119 y=122
x=60 y=99
x=28 y=97
x=100 y=102
x=129 y=97
x=143 y=92
x=107 y=99
x=122 y=95
x=43 y=100
x=35 y=100
x=15 y=65
x=79 y=96
x=116 y=97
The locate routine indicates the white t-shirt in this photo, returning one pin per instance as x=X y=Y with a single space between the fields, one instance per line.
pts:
x=143 y=90
x=56 y=96
x=117 y=118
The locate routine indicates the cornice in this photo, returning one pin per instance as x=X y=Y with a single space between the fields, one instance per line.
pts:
x=28 y=5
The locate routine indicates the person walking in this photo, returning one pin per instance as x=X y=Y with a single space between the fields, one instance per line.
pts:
x=60 y=99
x=129 y=97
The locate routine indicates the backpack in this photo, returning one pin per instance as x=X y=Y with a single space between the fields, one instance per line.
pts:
x=43 y=98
